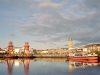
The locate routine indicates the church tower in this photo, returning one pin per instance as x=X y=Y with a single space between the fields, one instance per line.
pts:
x=70 y=43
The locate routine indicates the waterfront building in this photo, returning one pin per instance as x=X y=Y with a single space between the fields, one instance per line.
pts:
x=76 y=50
x=91 y=47
x=64 y=50
x=2 y=51
x=53 y=51
x=34 y=51
x=19 y=50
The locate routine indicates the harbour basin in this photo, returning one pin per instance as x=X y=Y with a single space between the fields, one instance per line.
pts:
x=47 y=66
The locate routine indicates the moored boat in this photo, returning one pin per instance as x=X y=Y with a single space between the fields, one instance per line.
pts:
x=77 y=58
x=92 y=56
x=82 y=56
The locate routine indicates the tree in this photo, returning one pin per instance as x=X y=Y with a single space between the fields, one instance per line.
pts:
x=96 y=51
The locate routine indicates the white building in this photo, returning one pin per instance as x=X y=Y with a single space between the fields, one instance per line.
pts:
x=2 y=51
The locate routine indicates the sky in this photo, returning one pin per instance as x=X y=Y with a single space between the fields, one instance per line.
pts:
x=49 y=24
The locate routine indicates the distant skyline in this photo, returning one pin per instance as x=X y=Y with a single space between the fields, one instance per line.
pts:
x=49 y=23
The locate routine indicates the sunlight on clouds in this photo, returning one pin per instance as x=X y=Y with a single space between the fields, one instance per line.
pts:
x=48 y=4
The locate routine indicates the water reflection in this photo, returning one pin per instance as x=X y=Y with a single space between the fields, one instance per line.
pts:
x=76 y=64
x=10 y=65
x=51 y=64
x=26 y=63
x=52 y=59
x=16 y=62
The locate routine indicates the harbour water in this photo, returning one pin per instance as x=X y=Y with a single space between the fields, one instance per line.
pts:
x=47 y=66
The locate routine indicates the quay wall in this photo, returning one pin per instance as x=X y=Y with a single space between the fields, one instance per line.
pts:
x=50 y=56
x=40 y=56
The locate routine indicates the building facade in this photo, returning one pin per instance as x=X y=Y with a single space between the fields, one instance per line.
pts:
x=92 y=47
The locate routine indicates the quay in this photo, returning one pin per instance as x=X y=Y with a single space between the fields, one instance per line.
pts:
x=35 y=56
x=50 y=56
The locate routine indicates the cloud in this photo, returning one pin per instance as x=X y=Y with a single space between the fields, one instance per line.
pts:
x=40 y=41
x=92 y=4
x=62 y=20
x=48 y=4
x=11 y=34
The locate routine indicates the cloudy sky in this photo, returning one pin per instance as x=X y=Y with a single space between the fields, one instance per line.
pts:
x=49 y=23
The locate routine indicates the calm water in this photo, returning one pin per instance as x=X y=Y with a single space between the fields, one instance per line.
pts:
x=47 y=66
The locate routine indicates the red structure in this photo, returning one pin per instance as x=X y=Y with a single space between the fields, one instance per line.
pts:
x=26 y=48
x=10 y=48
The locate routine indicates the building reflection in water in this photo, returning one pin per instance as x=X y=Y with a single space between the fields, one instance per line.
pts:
x=52 y=59
x=16 y=63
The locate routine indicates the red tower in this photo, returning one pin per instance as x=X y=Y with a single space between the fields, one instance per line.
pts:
x=26 y=48
x=10 y=48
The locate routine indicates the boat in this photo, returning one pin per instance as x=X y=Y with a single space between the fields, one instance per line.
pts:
x=82 y=56
x=92 y=56
x=92 y=61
